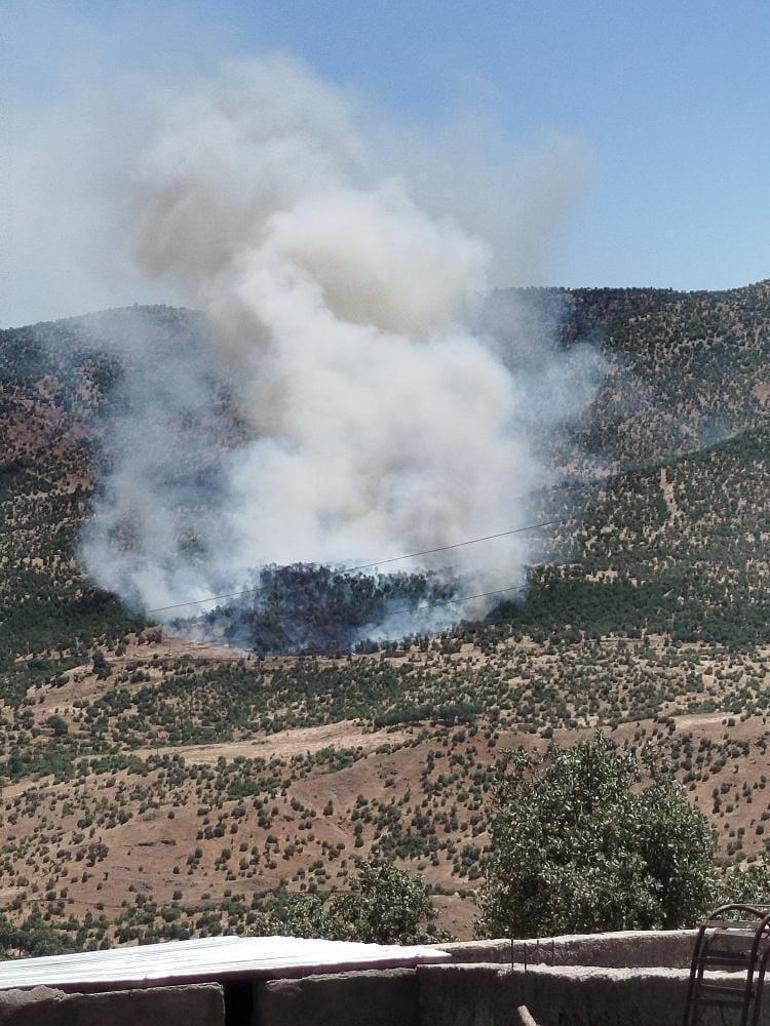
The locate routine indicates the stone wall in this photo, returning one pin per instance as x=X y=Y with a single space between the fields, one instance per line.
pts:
x=479 y=995
x=621 y=979
x=624 y=949
x=197 y=1005
x=377 y=997
x=484 y=995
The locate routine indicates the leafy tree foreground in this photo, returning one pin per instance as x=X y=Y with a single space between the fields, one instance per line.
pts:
x=579 y=846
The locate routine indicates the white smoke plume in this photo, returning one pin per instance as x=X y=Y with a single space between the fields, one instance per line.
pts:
x=371 y=418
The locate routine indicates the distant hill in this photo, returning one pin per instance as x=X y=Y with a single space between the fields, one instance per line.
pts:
x=686 y=369
x=648 y=612
x=681 y=420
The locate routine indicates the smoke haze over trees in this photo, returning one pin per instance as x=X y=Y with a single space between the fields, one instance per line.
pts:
x=344 y=398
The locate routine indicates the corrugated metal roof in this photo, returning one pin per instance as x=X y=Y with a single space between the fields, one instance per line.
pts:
x=208 y=959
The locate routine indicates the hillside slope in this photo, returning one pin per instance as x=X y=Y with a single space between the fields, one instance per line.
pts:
x=135 y=761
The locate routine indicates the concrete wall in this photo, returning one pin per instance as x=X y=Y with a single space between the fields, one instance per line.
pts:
x=376 y=997
x=198 y=1005
x=618 y=979
x=596 y=980
x=479 y=995
x=484 y=995
x=624 y=949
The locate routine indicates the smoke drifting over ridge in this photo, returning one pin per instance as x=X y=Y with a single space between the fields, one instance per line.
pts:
x=340 y=405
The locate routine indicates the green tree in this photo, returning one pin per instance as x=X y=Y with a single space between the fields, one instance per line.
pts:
x=749 y=885
x=31 y=937
x=386 y=906
x=296 y=915
x=58 y=725
x=580 y=845
x=100 y=665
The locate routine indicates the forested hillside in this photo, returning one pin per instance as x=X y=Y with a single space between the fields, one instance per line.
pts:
x=211 y=776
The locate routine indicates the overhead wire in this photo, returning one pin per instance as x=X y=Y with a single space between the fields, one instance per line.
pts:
x=607 y=479
x=459 y=599
x=391 y=559
x=383 y=562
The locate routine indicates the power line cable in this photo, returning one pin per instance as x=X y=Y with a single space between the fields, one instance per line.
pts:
x=608 y=479
x=456 y=545
x=456 y=598
x=378 y=562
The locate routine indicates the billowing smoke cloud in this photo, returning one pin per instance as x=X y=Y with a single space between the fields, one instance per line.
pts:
x=338 y=406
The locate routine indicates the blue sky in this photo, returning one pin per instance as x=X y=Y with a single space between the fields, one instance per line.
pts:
x=670 y=99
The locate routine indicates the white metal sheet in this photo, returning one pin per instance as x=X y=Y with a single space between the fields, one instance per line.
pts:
x=208 y=959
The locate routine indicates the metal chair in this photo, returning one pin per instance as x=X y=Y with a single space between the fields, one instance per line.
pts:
x=736 y=939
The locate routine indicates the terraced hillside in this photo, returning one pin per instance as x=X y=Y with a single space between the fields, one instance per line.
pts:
x=154 y=787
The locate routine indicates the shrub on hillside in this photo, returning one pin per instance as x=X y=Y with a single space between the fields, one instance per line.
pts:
x=384 y=905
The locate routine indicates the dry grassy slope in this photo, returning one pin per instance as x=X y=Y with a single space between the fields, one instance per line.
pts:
x=187 y=824
x=130 y=777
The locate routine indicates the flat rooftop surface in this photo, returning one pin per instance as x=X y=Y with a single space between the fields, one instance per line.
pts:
x=210 y=958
